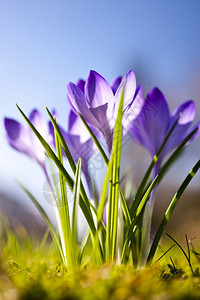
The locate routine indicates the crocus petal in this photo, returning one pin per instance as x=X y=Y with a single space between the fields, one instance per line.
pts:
x=98 y=91
x=85 y=151
x=186 y=111
x=128 y=83
x=13 y=128
x=151 y=125
x=100 y=115
x=79 y=149
x=103 y=125
x=38 y=121
x=51 y=131
x=81 y=84
x=115 y=84
x=77 y=99
x=76 y=127
x=71 y=120
x=23 y=139
x=40 y=124
x=133 y=109
x=130 y=87
x=76 y=147
x=186 y=114
x=17 y=136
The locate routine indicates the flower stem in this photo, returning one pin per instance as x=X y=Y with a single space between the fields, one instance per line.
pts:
x=120 y=232
x=146 y=224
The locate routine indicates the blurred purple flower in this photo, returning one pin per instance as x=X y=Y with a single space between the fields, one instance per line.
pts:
x=97 y=101
x=23 y=139
x=154 y=122
x=79 y=143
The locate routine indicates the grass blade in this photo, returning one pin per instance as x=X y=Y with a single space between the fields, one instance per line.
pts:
x=62 y=141
x=170 y=209
x=163 y=255
x=188 y=246
x=130 y=233
x=145 y=179
x=67 y=153
x=116 y=153
x=76 y=194
x=184 y=253
x=85 y=208
x=162 y=172
x=63 y=209
x=83 y=246
x=125 y=209
x=105 y=158
x=47 y=220
x=49 y=151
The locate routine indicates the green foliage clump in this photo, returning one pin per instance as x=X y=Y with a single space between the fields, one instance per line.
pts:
x=36 y=275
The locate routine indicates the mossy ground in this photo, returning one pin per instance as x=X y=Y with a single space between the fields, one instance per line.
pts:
x=31 y=271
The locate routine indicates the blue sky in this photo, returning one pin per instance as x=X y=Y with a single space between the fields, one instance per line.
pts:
x=45 y=44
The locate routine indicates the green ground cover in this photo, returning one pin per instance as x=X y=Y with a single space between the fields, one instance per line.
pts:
x=32 y=270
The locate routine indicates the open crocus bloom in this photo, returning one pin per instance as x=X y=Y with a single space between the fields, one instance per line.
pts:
x=97 y=101
x=23 y=139
x=150 y=129
x=154 y=122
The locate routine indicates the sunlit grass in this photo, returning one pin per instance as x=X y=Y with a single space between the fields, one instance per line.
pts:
x=30 y=269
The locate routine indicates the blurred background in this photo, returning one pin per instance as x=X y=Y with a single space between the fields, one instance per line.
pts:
x=45 y=44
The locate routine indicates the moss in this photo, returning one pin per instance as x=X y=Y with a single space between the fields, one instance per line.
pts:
x=40 y=275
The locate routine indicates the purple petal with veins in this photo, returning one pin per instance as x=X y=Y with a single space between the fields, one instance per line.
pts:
x=77 y=99
x=115 y=84
x=128 y=85
x=98 y=91
x=150 y=127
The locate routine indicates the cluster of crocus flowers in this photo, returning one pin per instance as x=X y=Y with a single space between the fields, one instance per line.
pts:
x=101 y=105
x=148 y=120
x=150 y=129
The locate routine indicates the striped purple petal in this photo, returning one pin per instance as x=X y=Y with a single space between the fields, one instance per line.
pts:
x=150 y=127
x=115 y=84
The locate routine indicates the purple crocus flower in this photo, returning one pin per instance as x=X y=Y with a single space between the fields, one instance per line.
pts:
x=97 y=101
x=23 y=139
x=79 y=143
x=149 y=129
x=154 y=122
